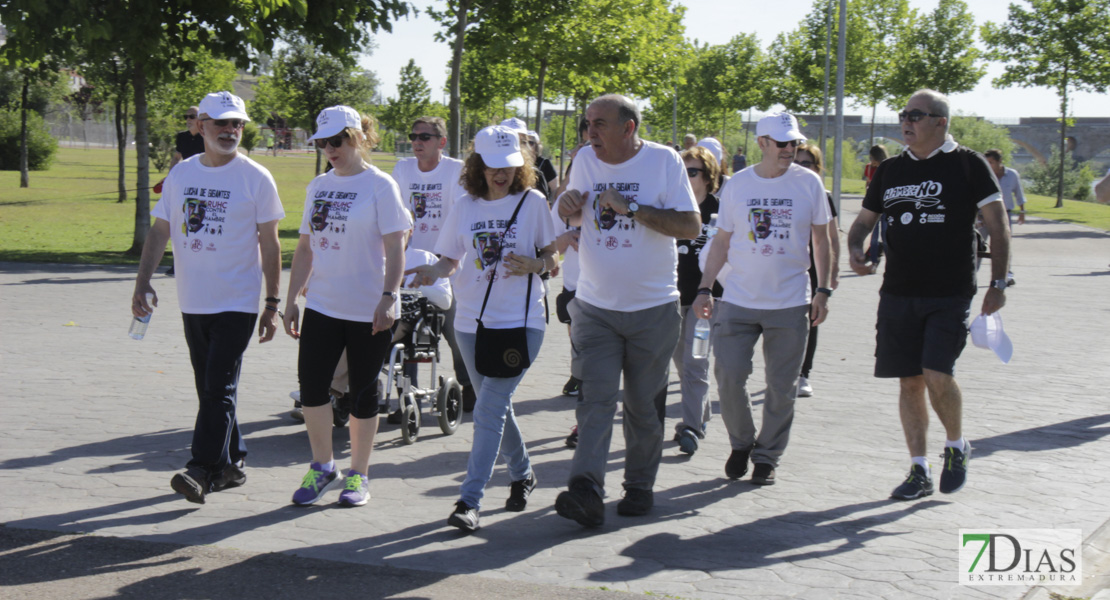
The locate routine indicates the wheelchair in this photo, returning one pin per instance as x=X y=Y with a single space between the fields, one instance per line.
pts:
x=423 y=324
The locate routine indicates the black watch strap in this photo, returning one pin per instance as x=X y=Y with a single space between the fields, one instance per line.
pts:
x=825 y=291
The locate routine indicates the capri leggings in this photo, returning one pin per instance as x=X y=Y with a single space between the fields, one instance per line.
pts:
x=323 y=339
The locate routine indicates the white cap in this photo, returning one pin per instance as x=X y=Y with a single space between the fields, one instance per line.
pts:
x=535 y=136
x=515 y=124
x=499 y=147
x=987 y=332
x=781 y=127
x=224 y=105
x=335 y=119
x=713 y=146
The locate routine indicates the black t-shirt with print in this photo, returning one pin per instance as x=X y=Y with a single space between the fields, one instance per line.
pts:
x=930 y=207
x=689 y=272
x=188 y=144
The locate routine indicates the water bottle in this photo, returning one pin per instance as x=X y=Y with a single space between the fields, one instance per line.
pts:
x=712 y=231
x=139 y=324
x=701 y=339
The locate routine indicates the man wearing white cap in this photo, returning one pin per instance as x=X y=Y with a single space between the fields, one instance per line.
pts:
x=929 y=197
x=220 y=210
x=769 y=214
x=632 y=198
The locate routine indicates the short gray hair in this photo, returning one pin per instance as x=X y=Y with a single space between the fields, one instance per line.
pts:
x=626 y=108
x=938 y=102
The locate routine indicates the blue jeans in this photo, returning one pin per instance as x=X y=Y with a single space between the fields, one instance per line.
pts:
x=495 y=429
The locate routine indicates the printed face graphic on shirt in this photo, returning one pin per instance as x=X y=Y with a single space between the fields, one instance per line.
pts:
x=488 y=245
x=194 y=215
x=419 y=205
x=320 y=214
x=606 y=218
x=760 y=221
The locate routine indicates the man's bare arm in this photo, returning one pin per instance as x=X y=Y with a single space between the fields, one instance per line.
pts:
x=681 y=225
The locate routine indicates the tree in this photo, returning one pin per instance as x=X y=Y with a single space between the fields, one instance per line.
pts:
x=937 y=51
x=884 y=24
x=30 y=86
x=981 y=135
x=155 y=34
x=110 y=79
x=413 y=99
x=1059 y=44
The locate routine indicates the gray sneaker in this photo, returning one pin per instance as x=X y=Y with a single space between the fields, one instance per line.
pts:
x=581 y=504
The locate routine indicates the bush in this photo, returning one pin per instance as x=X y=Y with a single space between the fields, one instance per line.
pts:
x=162 y=135
x=1043 y=179
x=250 y=136
x=41 y=146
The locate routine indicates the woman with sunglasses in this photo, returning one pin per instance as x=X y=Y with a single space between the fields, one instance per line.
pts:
x=479 y=244
x=810 y=157
x=351 y=258
x=704 y=172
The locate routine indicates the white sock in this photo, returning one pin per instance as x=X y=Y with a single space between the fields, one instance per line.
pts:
x=328 y=467
x=957 y=444
x=922 y=462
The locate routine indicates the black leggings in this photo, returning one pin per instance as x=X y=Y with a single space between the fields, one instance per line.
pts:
x=323 y=339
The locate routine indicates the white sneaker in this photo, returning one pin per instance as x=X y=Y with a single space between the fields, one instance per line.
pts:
x=804 y=389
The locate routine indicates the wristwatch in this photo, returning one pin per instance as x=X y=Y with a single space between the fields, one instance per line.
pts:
x=632 y=208
x=825 y=291
x=999 y=284
x=390 y=294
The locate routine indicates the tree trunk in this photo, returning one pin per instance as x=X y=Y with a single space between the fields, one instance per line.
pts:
x=24 y=176
x=121 y=147
x=871 y=134
x=142 y=156
x=1063 y=139
x=456 y=65
x=563 y=140
x=539 y=94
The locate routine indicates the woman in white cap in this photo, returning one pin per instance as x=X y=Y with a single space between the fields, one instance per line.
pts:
x=351 y=257
x=502 y=257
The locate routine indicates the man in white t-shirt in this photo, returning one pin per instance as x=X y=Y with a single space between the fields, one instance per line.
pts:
x=632 y=198
x=769 y=214
x=220 y=210
x=429 y=183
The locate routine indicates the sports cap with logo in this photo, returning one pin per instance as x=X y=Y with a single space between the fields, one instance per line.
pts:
x=781 y=127
x=224 y=105
x=334 y=119
x=515 y=124
x=499 y=147
x=713 y=146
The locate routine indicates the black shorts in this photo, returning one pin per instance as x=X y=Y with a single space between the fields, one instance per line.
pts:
x=919 y=333
x=561 y=302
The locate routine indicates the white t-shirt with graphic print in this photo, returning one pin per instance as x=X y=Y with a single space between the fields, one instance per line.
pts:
x=570 y=266
x=345 y=219
x=473 y=236
x=624 y=265
x=429 y=195
x=214 y=215
x=771 y=223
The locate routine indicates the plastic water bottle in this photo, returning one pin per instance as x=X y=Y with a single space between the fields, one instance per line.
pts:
x=712 y=231
x=701 y=339
x=139 y=324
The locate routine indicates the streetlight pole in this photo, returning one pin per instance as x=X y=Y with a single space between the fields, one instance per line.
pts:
x=838 y=150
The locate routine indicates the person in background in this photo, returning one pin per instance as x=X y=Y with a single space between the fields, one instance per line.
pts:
x=876 y=156
x=739 y=160
x=689 y=141
x=187 y=144
x=521 y=129
x=1012 y=194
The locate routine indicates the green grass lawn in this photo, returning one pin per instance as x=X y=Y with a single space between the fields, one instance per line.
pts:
x=70 y=213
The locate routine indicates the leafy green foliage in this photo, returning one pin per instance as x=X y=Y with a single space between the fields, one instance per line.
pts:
x=43 y=93
x=936 y=50
x=1044 y=178
x=413 y=99
x=250 y=137
x=41 y=146
x=981 y=135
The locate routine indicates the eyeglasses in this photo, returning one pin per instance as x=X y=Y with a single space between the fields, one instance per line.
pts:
x=915 y=115
x=235 y=123
x=188 y=117
x=791 y=143
x=693 y=171
x=809 y=164
x=334 y=141
x=423 y=137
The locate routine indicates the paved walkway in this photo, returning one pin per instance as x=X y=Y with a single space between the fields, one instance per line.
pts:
x=95 y=425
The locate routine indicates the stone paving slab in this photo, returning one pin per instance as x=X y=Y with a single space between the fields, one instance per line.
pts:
x=97 y=424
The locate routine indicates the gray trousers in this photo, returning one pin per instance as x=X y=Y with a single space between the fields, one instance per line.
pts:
x=735 y=332
x=693 y=375
x=605 y=343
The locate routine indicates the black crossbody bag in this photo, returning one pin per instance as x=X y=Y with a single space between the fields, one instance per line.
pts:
x=503 y=352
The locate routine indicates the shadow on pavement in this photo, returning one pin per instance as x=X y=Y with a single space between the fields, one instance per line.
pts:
x=1048 y=437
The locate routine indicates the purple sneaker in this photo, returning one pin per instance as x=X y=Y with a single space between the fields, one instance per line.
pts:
x=315 y=483
x=356 y=489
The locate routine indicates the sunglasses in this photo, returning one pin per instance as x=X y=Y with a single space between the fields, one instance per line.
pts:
x=235 y=123
x=809 y=164
x=791 y=143
x=187 y=117
x=334 y=141
x=693 y=171
x=423 y=137
x=914 y=116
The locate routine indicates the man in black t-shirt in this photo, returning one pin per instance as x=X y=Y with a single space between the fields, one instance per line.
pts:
x=929 y=196
x=190 y=142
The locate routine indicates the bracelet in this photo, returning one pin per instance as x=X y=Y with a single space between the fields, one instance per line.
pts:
x=274 y=300
x=705 y=291
x=271 y=307
x=825 y=291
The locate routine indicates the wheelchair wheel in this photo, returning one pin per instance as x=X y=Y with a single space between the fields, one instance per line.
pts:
x=449 y=405
x=410 y=419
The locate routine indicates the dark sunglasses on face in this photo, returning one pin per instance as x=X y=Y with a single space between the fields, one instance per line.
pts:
x=805 y=163
x=694 y=171
x=334 y=141
x=187 y=117
x=235 y=123
x=423 y=137
x=914 y=116
x=791 y=143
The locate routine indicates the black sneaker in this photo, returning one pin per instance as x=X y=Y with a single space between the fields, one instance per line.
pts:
x=763 y=474
x=737 y=465
x=232 y=476
x=687 y=441
x=572 y=439
x=954 y=475
x=581 y=504
x=573 y=386
x=465 y=517
x=917 y=485
x=193 y=484
x=636 y=502
x=519 y=492
x=469 y=399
